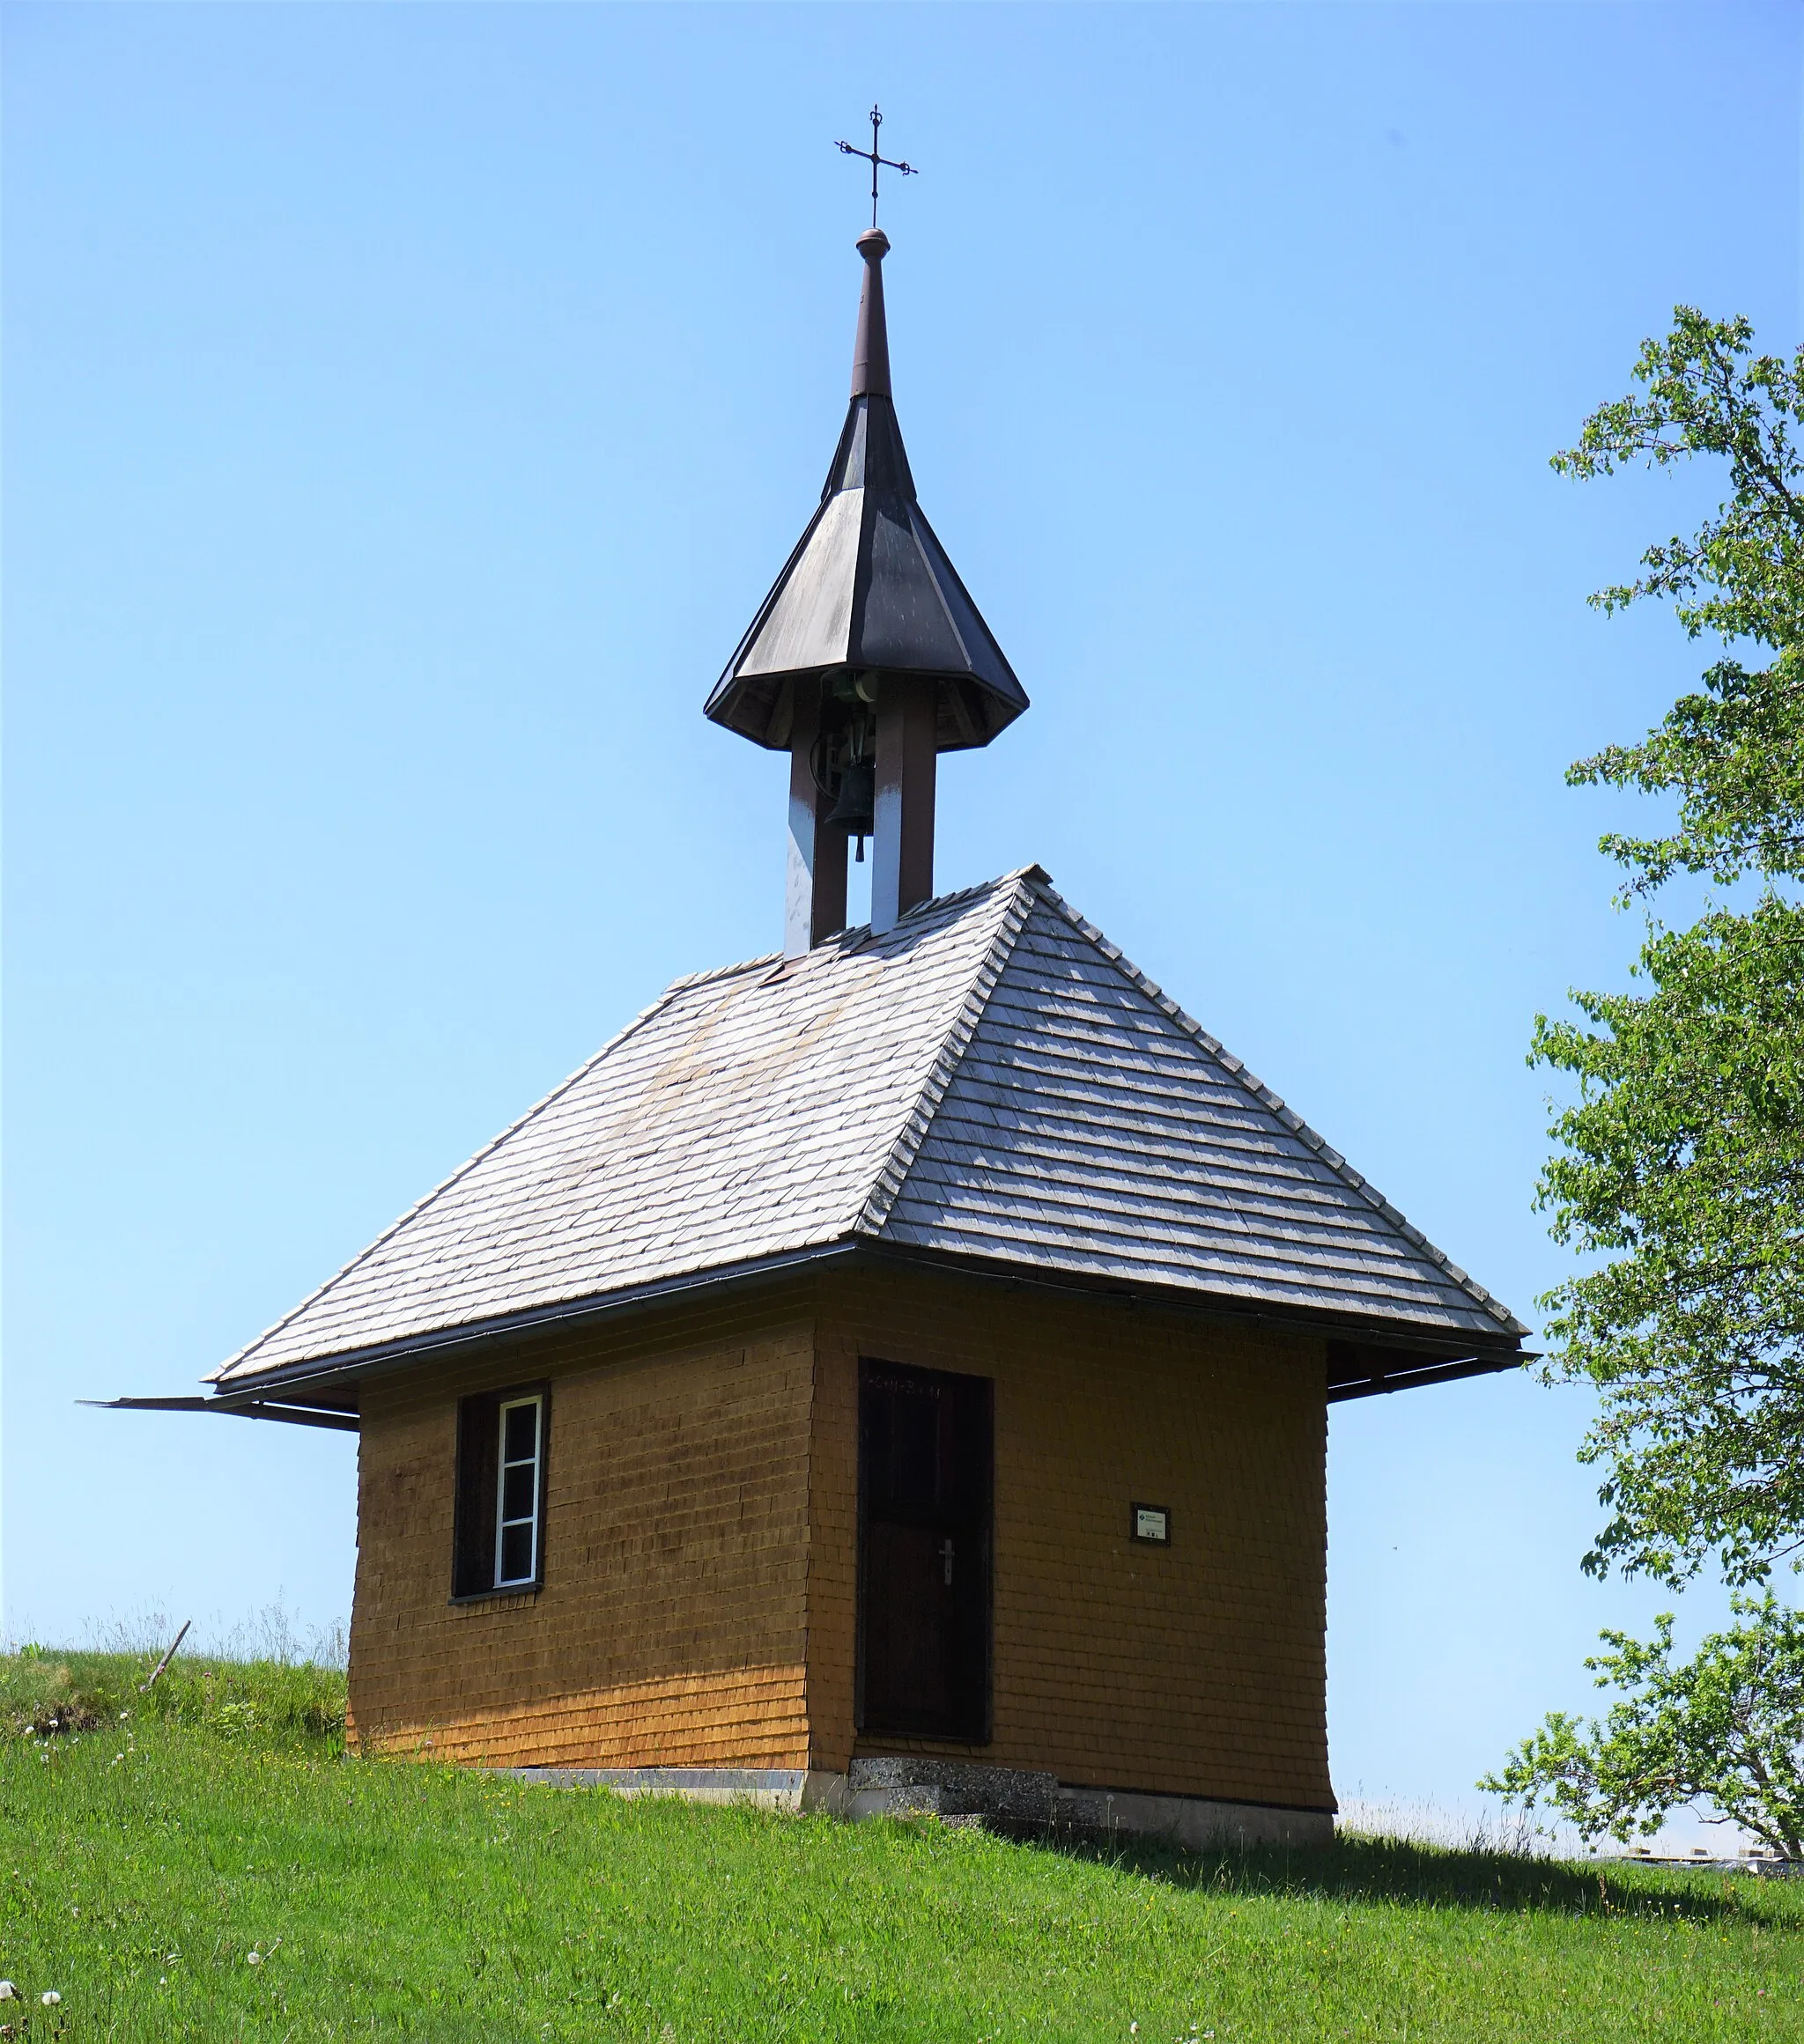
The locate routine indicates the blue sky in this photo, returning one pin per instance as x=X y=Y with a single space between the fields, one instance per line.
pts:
x=406 y=409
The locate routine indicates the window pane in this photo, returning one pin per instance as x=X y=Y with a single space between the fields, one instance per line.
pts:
x=516 y=1552
x=522 y=1440
x=516 y=1491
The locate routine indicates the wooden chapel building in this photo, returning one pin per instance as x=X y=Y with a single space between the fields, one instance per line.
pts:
x=893 y=1373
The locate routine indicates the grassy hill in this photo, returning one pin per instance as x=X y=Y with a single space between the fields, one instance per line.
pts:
x=210 y=1867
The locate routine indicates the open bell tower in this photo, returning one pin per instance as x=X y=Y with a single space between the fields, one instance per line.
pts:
x=866 y=662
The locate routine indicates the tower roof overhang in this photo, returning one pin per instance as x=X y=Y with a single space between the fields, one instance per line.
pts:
x=868 y=588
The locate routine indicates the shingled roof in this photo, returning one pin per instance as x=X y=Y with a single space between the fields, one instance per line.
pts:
x=990 y=1081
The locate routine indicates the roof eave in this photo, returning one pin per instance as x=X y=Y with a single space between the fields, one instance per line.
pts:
x=296 y=1411
x=1407 y=1352
x=1430 y=1345
x=749 y=705
x=351 y=1365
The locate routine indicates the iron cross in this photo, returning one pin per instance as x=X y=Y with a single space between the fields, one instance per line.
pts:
x=871 y=157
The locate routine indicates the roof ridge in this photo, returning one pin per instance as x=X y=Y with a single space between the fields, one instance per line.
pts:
x=862 y=930
x=952 y=622
x=1043 y=888
x=888 y=1184
x=690 y=979
x=469 y=1164
x=843 y=942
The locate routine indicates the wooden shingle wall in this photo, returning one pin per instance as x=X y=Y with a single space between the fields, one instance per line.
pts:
x=1197 y=1670
x=669 y=1630
x=700 y=1567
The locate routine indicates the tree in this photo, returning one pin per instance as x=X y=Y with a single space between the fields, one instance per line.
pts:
x=1681 y=1165
x=1723 y=1731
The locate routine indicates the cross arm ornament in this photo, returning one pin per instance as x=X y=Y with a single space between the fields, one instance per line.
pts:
x=872 y=158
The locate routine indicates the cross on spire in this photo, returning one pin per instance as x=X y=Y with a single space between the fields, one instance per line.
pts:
x=871 y=157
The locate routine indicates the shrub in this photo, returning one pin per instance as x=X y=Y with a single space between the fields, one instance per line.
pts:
x=1723 y=1733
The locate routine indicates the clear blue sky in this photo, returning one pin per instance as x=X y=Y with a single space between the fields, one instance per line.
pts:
x=407 y=406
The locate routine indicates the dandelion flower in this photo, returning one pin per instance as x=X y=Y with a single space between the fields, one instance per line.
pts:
x=49 y=1997
x=253 y=1958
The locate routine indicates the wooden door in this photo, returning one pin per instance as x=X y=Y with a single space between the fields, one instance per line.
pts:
x=924 y=1485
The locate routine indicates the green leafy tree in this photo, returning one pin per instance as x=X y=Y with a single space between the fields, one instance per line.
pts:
x=1681 y=1165
x=1723 y=1733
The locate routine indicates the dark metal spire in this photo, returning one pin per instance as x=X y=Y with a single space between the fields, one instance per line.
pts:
x=869 y=586
x=867 y=660
x=870 y=352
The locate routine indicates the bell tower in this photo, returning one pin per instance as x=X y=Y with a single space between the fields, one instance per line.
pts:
x=866 y=662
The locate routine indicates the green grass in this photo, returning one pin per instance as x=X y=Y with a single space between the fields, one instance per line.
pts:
x=270 y=1702
x=395 y=1900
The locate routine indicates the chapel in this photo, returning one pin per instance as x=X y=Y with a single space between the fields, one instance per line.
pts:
x=893 y=1374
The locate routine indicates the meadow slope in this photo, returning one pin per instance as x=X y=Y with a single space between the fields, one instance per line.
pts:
x=212 y=1867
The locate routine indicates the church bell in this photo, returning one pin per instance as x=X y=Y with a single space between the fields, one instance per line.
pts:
x=856 y=812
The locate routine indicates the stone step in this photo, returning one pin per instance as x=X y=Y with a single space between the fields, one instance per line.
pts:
x=906 y=1785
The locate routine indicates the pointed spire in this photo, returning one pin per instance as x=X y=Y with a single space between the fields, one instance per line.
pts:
x=869 y=587
x=870 y=353
x=865 y=663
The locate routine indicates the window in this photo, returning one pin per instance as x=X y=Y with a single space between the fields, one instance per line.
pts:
x=499 y=1537
x=517 y=1507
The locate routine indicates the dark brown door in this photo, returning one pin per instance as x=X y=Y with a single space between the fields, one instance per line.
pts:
x=924 y=1476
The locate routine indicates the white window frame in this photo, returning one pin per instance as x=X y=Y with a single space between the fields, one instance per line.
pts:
x=537 y=1461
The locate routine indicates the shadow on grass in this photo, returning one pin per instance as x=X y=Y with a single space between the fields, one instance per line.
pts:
x=1388 y=1869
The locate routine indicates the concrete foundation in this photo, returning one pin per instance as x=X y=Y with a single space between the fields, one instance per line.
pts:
x=794 y=1789
x=1013 y=1799
x=1193 y=1822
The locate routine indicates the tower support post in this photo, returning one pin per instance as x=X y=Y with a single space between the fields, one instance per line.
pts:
x=814 y=885
x=902 y=848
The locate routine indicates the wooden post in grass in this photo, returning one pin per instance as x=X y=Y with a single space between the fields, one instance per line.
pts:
x=167 y=1657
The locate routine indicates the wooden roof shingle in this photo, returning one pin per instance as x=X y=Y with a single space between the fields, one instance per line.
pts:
x=989 y=1080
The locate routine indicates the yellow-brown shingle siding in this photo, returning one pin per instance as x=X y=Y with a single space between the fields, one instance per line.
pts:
x=699 y=1607
x=670 y=1628
x=1195 y=1670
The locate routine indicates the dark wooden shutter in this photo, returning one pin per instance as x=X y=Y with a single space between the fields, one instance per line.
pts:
x=473 y=1566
